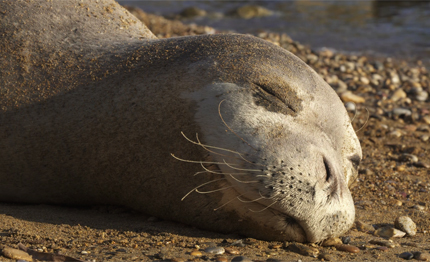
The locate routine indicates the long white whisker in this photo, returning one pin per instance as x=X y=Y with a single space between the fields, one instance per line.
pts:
x=240 y=181
x=259 y=192
x=235 y=152
x=274 y=202
x=212 y=191
x=197 y=162
x=228 y=202
x=221 y=173
x=201 y=186
x=367 y=120
x=252 y=170
x=249 y=201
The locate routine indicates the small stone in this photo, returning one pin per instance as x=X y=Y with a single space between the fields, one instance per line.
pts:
x=426 y=119
x=221 y=259
x=422 y=256
x=17 y=254
x=350 y=106
x=382 y=248
x=348 y=96
x=331 y=242
x=347 y=248
x=398 y=203
x=405 y=224
x=389 y=232
x=408 y=158
x=215 y=250
x=192 y=12
x=398 y=94
x=84 y=252
x=232 y=251
x=346 y=240
x=406 y=255
x=251 y=11
x=419 y=207
x=401 y=112
x=303 y=250
x=275 y=246
x=385 y=243
x=196 y=253
x=364 y=80
x=325 y=257
x=421 y=96
x=363 y=227
x=241 y=259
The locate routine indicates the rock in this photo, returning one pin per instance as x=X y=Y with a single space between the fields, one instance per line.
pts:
x=385 y=243
x=350 y=106
x=363 y=227
x=426 y=119
x=17 y=254
x=389 y=232
x=196 y=253
x=232 y=251
x=408 y=158
x=347 y=248
x=331 y=242
x=303 y=250
x=406 y=255
x=346 y=240
x=421 y=96
x=325 y=257
x=422 y=256
x=401 y=112
x=405 y=224
x=398 y=94
x=251 y=11
x=191 y=12
x=221 y=259
x=348 y=96
x=215 y=250
x=241 y=259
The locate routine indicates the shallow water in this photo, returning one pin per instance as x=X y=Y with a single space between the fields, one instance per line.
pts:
x=394 y=28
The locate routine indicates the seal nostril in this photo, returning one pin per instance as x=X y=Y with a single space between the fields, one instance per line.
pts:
x=327 y=170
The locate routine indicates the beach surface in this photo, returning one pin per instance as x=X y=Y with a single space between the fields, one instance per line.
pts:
x=390 y=111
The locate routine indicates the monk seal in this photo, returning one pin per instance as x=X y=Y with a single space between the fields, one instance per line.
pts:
x=93 y=105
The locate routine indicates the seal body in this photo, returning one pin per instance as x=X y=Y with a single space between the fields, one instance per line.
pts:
x=93 y=105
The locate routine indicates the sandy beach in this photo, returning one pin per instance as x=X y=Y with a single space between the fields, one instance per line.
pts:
x=389 y=106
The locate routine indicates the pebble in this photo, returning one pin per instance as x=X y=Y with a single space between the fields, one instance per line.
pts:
x=350 y=106
x=408 y=158
x=192 y=12
x=421 y=96
x=422 y=256
x=232 y=251
x=348 y=96
x=331 y=242
x=389 y=232
x=241 y=259
x=346 y=239
x=17 y=254
x=221 y=259
x=196 y=253
x=325 y=257
x=303 y=250
x=347 y=248
x=398 y=94
x=363 y=227
x=385 y=243
x=84 y=252
x=383 y=248
x=406 y=255
x=401 y=112
x=215 y=250
x=426 y=119
x=405 y=224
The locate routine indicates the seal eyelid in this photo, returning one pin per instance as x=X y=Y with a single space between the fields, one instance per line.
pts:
x=355 y=160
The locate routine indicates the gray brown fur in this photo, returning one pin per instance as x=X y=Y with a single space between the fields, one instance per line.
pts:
x=91 y=108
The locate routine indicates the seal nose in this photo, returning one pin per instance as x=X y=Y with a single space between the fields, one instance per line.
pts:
x=331 y=178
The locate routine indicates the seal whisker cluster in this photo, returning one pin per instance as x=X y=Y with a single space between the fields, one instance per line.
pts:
x=95 y=114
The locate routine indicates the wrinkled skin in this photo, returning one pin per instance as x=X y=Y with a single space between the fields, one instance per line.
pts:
x=92 y=105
